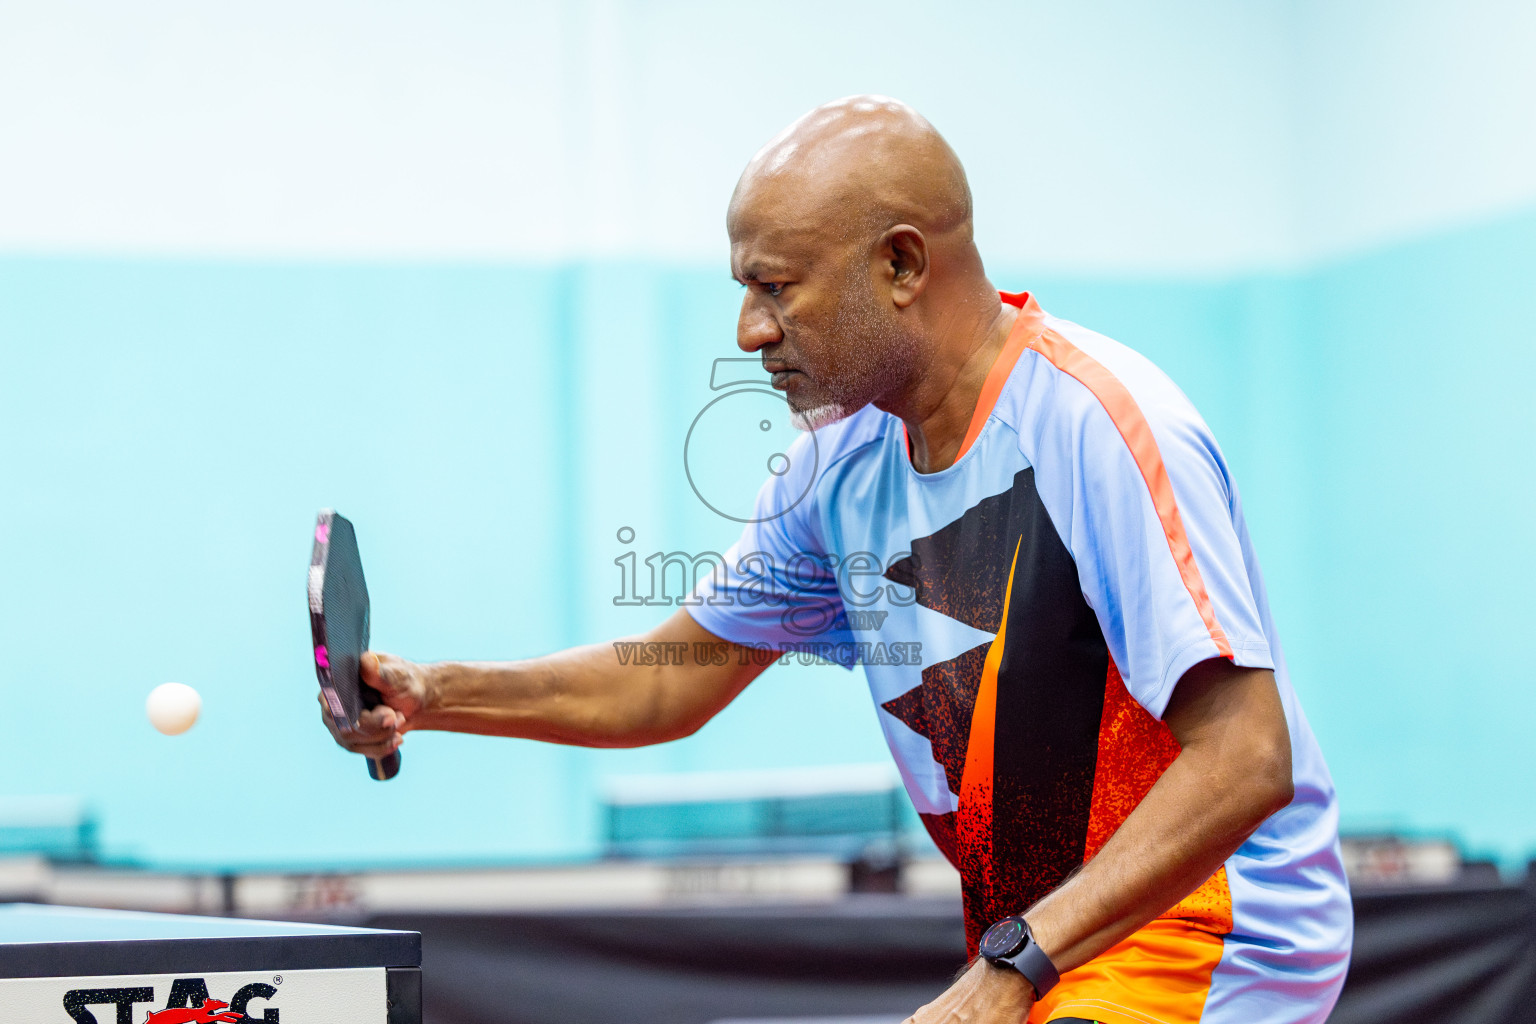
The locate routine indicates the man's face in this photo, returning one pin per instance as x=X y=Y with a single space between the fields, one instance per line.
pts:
x=813 y=311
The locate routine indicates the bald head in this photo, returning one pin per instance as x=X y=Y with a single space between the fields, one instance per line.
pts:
x=851 y=231
x=863 y=162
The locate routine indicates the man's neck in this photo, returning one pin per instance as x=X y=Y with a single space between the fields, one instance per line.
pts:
x=946 y=397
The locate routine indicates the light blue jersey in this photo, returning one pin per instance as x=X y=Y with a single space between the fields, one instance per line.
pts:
x=1023 y=617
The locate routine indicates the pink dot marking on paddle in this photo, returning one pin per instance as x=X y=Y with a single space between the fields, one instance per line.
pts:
x=323 y=533
x=321 y=657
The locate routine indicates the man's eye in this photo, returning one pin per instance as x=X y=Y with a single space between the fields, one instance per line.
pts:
x=773 y=288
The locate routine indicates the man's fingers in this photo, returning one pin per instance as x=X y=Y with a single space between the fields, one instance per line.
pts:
x=378 y=730
x=371 y=671
x=374 y=726
x=397 y=680
x=372 y=723
x=371 y=738
x=377 y=750
x=379 y=719
x=386 y=673
x=381 y=729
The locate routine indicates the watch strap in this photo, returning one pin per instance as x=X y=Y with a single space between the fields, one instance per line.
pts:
x=1031 y=962
x=1036 y=967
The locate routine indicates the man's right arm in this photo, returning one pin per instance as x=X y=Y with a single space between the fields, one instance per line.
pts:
x=584 y=696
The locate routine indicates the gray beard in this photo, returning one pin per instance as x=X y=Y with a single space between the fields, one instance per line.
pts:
x=817 y=417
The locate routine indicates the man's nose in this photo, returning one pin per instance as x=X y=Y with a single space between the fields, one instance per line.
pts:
x=756 y=327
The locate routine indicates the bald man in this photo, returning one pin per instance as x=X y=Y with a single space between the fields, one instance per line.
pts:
x=1099 y=733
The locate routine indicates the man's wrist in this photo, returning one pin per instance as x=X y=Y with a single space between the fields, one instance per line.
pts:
x=1009 y=975
x=1006 y=984
x=433 y=679
x=1010 y=945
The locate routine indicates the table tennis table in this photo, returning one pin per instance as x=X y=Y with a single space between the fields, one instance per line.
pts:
x=73 y=965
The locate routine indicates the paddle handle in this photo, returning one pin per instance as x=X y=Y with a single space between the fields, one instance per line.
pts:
x=382 y=769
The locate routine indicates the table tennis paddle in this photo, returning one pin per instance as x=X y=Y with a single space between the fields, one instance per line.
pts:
x=338 y=621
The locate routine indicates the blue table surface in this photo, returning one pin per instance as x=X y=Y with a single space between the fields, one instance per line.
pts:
x=26 y=922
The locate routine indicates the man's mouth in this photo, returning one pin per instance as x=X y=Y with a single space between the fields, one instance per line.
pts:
x=780 y=378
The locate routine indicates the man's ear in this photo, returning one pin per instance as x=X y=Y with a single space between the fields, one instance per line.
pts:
x=906 y=251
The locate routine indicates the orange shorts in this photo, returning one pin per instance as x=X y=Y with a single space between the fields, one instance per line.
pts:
x=1160 y=975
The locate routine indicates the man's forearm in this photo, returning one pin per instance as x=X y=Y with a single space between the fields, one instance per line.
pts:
x=587 y=696
x=557 y=699
x=1221 y=787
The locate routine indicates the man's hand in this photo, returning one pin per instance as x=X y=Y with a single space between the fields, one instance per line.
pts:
x=382 y=729
x=982 y=995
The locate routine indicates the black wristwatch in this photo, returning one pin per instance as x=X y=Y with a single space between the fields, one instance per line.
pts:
x=1009 y=944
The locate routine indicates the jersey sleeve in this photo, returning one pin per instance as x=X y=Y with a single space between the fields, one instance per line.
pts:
x=1155 y=531
x=778 y=584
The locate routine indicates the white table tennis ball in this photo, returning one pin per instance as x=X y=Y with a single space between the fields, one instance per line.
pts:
x=173 y=707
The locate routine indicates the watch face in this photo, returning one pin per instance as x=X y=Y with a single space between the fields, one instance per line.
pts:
x=1003 y=938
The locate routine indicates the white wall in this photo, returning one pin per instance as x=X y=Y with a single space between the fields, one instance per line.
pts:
x=1186 y=137
x=1099 y=135
x=1414 y=115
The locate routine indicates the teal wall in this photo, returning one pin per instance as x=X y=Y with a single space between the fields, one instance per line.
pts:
x=1425 y=354
x=490 y=427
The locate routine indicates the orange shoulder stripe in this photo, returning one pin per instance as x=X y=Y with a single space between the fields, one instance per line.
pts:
x=1018 y=340
x=1137 y=432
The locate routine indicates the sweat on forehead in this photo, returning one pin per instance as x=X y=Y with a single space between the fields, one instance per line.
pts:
x=857 y=162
